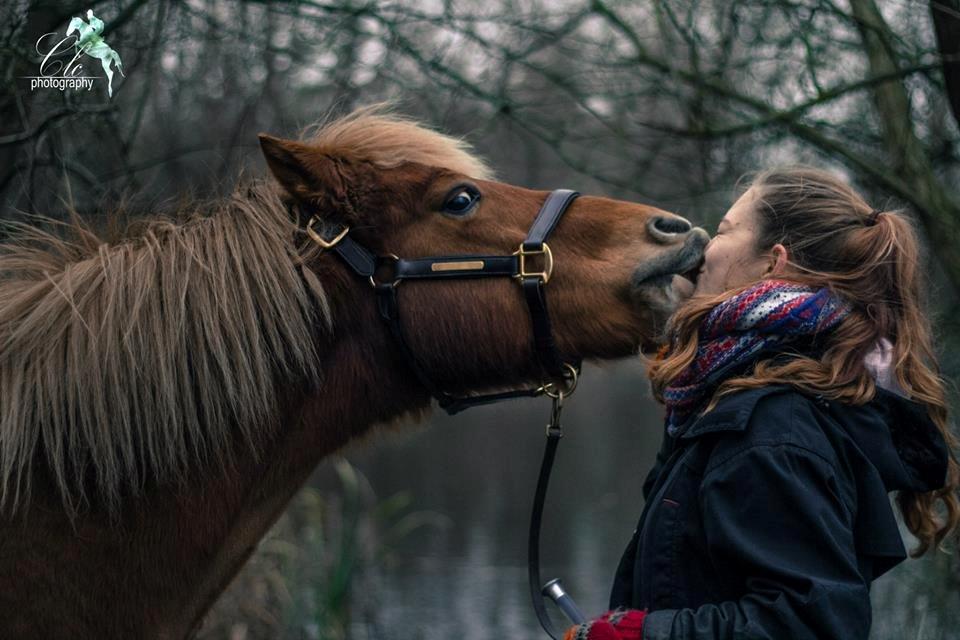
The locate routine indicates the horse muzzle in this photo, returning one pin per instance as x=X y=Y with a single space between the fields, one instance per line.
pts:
x=655 y=282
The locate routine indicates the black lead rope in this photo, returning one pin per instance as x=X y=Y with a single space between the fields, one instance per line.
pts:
x=554 y=433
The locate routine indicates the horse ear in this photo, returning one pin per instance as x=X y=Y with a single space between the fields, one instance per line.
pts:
x=305 y=173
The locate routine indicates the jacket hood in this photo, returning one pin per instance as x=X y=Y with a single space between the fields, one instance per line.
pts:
x=897 y=435
x=894 y=433
x=912 y=453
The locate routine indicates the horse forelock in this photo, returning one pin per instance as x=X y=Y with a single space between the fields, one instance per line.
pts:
x=388 y=140
x=131 y=363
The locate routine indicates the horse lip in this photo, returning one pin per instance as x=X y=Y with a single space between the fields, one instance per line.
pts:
x=685 y=262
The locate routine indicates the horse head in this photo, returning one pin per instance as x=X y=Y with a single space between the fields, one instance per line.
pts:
x=414 y=193
x=76 y=24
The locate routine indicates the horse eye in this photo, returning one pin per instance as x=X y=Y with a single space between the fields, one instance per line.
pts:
x=461 y=200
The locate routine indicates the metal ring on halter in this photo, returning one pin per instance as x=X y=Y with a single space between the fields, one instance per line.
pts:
x=571 y=383
x=396 y=281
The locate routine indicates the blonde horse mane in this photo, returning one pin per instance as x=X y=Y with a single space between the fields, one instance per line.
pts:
x=387 y=139
x=136 y=362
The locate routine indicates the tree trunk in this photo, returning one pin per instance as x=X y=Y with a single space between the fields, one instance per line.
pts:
x=907 y=157
x=946 y=24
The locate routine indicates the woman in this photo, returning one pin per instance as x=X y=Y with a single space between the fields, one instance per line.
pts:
x=800 y=387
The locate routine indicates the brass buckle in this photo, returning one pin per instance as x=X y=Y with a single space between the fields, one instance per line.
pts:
x=547 y=263
x=320 y=240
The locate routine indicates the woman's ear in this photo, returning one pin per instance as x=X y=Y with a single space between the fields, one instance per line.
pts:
x=778 y=260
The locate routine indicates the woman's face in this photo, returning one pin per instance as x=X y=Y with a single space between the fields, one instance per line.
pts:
x=731 y=259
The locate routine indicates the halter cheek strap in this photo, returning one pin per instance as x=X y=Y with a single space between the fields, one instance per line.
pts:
x=516 y=265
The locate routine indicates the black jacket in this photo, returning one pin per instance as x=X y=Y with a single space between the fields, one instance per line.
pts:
x=768 y=517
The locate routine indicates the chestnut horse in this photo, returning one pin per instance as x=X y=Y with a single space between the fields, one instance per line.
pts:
x=165 y=394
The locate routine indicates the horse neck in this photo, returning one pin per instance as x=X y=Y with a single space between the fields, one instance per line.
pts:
x=363 y=384
x=176 y=550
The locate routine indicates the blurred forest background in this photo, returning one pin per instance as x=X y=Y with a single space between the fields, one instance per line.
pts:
x=421 y=533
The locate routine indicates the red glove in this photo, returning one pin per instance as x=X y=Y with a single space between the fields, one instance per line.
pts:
x=619 y=624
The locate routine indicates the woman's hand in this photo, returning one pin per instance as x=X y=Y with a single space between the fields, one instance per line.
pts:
x=619 y=624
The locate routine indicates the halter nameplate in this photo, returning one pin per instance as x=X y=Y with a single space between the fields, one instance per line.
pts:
x=457 y=266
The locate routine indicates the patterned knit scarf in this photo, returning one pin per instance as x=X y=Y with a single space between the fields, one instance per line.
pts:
x=769 y=314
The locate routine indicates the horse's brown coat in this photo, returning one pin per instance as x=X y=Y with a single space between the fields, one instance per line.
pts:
x=90 y=552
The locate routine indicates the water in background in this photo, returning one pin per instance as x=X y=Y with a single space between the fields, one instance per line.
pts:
x=477 y=471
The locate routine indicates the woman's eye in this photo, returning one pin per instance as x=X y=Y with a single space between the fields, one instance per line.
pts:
x=461 y=201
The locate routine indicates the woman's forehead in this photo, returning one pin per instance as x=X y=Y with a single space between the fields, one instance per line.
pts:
x=741 y=212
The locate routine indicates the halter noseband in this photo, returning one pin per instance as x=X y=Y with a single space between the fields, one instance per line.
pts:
x=516 y=265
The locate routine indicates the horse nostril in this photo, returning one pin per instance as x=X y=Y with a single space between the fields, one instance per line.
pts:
x=663 y=228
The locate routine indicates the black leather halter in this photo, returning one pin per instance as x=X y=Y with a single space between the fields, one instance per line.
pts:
x=516 y=265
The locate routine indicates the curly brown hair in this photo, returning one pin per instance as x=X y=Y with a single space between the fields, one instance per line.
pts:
x=834 y=239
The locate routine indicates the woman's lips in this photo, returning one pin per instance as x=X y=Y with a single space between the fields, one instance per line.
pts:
x=694 y=273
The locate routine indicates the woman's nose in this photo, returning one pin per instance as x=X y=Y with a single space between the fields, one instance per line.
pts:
x=668 y=229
